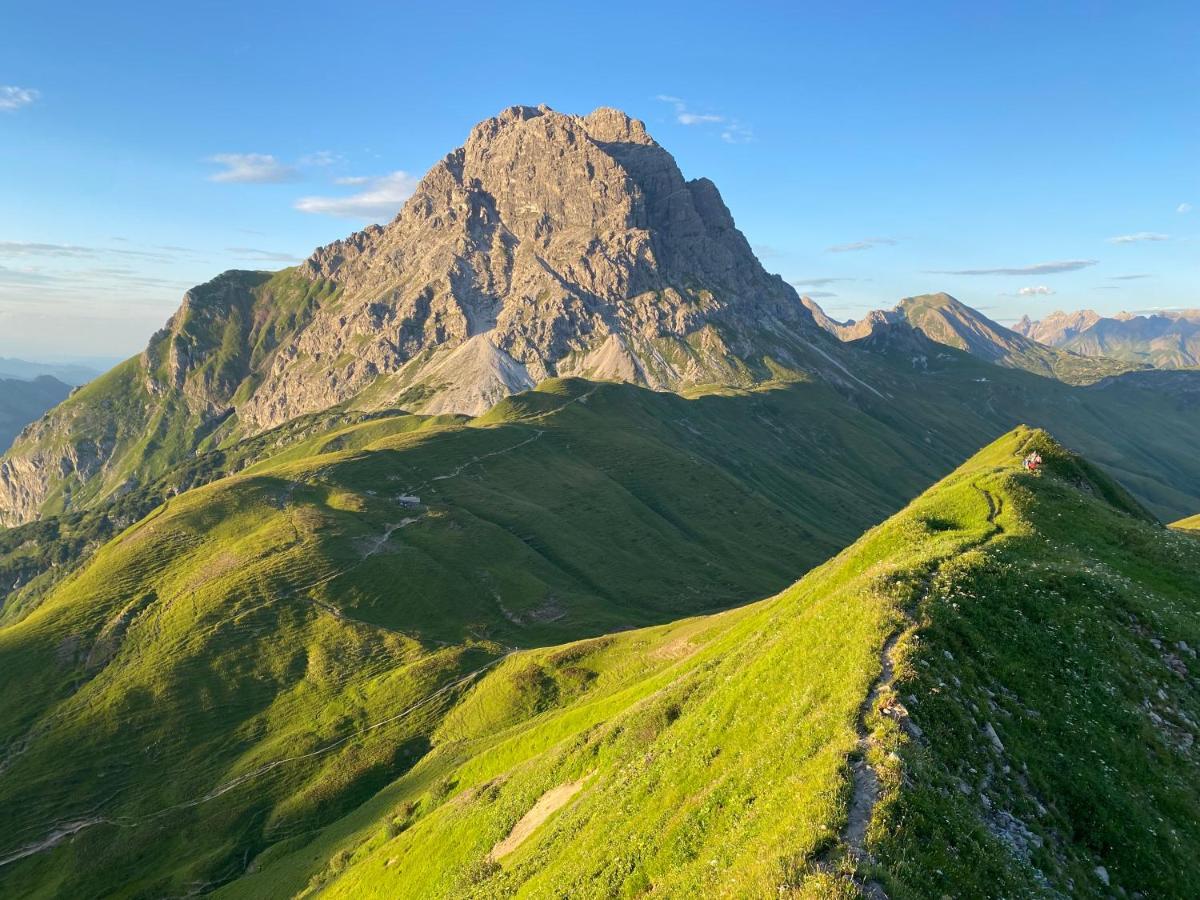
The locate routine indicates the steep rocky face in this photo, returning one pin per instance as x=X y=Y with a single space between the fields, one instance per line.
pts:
x=153 y=410
x=548 y=244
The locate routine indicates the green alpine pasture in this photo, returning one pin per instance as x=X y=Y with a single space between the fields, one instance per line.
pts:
x=1038 y=730
x=299 y=679
x=362 y=570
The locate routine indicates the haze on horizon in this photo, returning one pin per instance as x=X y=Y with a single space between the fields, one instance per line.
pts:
x=899 y=152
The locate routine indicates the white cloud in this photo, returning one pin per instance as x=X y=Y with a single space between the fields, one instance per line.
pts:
x=1183 y=208
x=684 y=117
x=1139 y=237
x=251 y=168
x=732 y=131
x=736 y=133
x=256 y=255
x=818 y=282
x=380 y=201
x=1046 y=268
x=1034 y=291
x=865 y=244
x=353 y=179
x=320 y=158
x=12 y=97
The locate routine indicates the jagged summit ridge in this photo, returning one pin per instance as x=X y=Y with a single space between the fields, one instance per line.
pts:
x=574 y=243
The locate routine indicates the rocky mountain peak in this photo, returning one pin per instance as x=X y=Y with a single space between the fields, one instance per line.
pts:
x=564 y=245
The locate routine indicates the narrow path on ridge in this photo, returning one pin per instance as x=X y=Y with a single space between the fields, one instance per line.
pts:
x=865 y=793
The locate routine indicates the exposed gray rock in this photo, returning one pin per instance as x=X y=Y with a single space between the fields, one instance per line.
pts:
x=549 y=244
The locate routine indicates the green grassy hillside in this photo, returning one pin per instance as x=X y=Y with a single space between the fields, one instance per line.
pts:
x=989 y=695
x=282 y=608
x=155 y=410
x=288 y=682
x=871 y=448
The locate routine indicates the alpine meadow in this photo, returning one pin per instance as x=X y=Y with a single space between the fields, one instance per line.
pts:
x=531 y=537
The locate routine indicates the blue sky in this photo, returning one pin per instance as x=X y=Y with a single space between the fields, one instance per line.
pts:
x=1022 y=156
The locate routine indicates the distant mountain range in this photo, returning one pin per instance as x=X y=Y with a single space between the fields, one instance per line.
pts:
x=946 y=321
x=22 y=402
x=1169 y=339
x=74 y=374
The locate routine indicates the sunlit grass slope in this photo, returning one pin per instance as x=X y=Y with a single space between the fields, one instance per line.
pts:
x=271 y=613
x=1037 y=738
x=263 y=685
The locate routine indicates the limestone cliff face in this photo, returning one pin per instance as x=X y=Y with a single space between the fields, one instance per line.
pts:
x=551 y=245
x=548 y=244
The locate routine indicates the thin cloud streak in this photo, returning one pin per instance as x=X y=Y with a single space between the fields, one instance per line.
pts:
x=14 y=249
x=1046 y=268
x=256 y=255
x=732 y=130
x=818 y=282
x=865 y=244
x=251 y=168
x=1139 y=237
